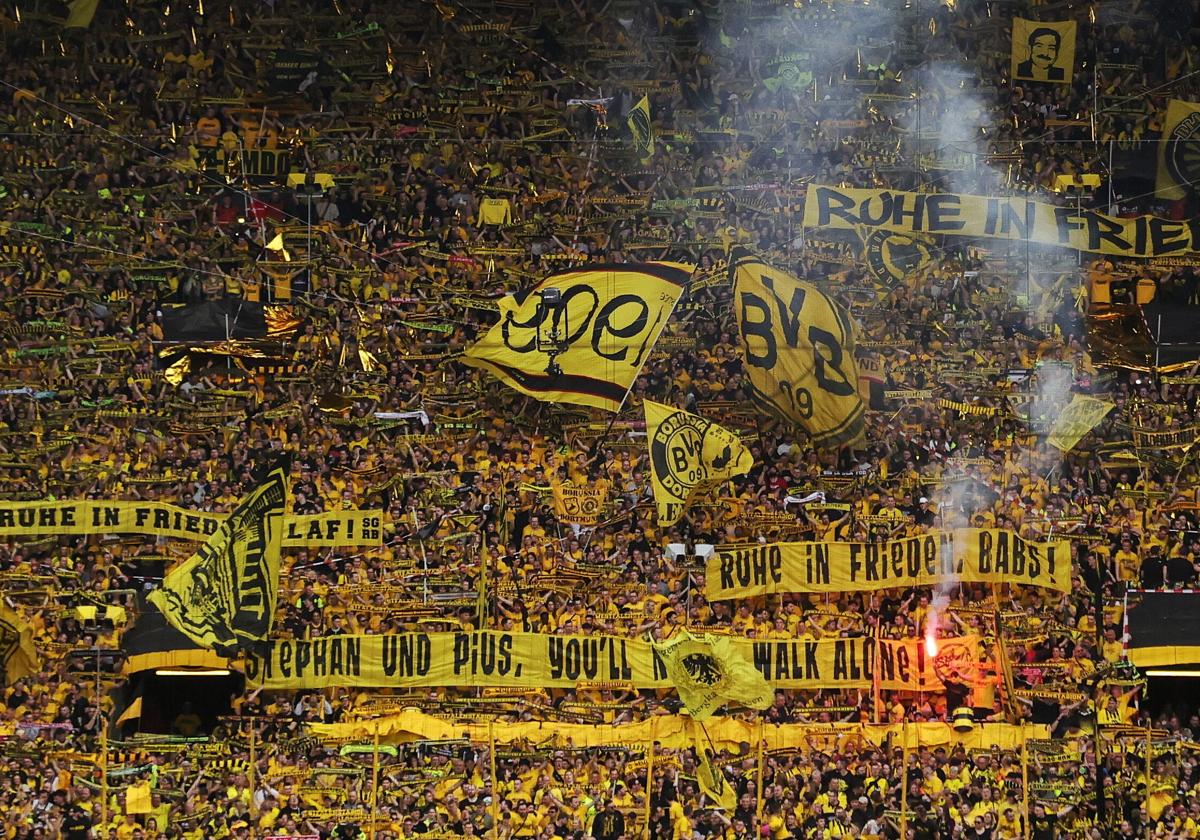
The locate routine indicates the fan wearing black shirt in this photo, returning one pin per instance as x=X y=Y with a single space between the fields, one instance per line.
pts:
x=76 y=825
x=609 y=824
x=1041 y=824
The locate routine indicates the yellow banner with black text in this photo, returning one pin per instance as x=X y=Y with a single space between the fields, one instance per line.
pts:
x=88 y=516
x=494 y=659
x=998 y=217
x=970 y=555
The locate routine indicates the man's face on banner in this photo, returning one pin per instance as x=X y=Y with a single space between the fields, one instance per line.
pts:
x=1043 y=51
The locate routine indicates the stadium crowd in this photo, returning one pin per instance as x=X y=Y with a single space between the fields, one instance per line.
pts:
x=441 y=153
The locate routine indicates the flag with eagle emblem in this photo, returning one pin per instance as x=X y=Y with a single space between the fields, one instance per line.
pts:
x=708 y=672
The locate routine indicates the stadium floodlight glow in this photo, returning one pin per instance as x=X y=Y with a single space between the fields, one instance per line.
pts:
x=197 y=672
x=1162 y=673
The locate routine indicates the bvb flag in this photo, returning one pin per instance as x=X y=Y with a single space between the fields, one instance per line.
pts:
x=891 y=256
x=793 y=72
x=798 y=347
x=641 y=129
x=713 y=783
x=18 y=656
x=587 y=344
x=1179 y=151
x=578 y=504
x=1079 y=418
x=223 y=596
x=688 y=454
x=1043 y=51
x=709 y=672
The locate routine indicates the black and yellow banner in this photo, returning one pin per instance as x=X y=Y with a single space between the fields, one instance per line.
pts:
x=1076 y=420
x=582 y=335
x=1164 y=629
x=970 y=555
x=1179 y=151
x=528 y=660
x=798 y=347
x=641 y=129
x=1043 y=51
x=18 y=656
x=87 y=516
x=688 y=454
x=223 y=597
x=579 y=504
x=998 y=217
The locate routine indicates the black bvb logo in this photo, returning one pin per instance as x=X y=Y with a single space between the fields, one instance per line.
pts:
x=702 y=668
x=677 y=454
x=891 y=256
x=1183 y=151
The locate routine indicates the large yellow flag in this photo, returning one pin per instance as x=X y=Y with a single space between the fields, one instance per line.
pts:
x=1076 y=420
x=798 y=347
x=709 y=672
x=18 y=656
x=581 y=335
x=1179 y=151
x=688 y=454
x=223 y=597
x=80 y=13
x=1043 y=51
x=641 y=128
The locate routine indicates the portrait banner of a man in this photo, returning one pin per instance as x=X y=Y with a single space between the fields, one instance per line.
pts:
x=1043 y=51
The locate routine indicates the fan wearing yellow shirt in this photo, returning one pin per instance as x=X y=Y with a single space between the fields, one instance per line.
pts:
x=525 y=821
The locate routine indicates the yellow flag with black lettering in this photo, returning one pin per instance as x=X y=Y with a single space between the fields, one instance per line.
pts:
x=1043 y=51
x=709 y=672
x=223 y=597
x=1179 y=151
x=688 y=454
x=641 y=129
x=798 y=349
x=18 y=656
x=1076 y=420
x=579 y=504
x=581 y=335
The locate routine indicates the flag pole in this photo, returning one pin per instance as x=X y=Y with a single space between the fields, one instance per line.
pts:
x=904 y=782
x=104 y=776
x=875 y=679
x=1025 y=777
x=649 y=785
x=758 y=805
x=495 y=783
x=625 y=397
x=1149 y=756
x=375 y=783
x=251 y=769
